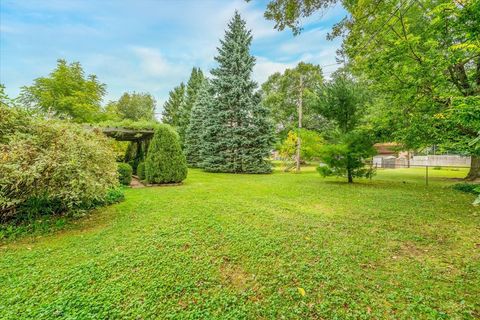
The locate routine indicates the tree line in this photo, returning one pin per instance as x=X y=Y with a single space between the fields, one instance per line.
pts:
x=410 y=75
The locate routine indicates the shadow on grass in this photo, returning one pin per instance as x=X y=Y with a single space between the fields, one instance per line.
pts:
x=46 y=225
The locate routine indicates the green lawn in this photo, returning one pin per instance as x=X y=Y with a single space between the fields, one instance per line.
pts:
x=246 y=246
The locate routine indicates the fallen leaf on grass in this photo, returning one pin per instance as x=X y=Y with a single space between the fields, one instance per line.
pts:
x=301 y=291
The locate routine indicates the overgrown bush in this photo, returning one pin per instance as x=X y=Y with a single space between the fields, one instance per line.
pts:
x=310 y=147
x=52 y=166
x=125 y=172
x=12 y=120
x=165 y=162
x=141 y=171
x=114 y=195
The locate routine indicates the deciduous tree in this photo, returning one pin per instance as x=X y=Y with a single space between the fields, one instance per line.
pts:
x=280 y=93
x=424 y=56
x=344 y=101
x=66 y=93
x=134 y=106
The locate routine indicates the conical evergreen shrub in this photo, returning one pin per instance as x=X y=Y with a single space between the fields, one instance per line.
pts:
x=165 y=162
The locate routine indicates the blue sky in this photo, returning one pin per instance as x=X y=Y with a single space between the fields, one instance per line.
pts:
x=146 y=45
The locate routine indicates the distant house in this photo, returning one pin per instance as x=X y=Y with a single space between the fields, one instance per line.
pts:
x=390 y=156
x=386 y=149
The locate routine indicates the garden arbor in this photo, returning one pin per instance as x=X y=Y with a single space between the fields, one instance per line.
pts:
x=139 y=139
x=165 y=161
x=127 y=134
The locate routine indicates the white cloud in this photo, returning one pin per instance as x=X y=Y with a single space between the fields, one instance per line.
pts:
x=152 y=61
x=166 y=39
x=265 y=67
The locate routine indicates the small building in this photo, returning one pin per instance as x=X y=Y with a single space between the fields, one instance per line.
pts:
x=390 y=156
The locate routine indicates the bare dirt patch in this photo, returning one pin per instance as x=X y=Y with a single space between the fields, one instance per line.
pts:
x=137 y=183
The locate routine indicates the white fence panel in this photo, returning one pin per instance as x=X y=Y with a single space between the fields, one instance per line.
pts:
x=441 y=160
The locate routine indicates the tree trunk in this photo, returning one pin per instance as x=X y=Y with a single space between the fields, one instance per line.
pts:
x=349 y=175
x=474 y=172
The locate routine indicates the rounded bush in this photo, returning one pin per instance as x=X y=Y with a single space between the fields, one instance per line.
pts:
x=165 y=162
x=125 y=173
x=141 y=171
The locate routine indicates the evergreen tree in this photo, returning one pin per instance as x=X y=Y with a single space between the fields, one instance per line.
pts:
x=238 y=134
x=195 y=129
x=171 y=108
x=193 y=87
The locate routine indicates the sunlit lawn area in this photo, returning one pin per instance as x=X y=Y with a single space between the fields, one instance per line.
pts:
x=258 y=246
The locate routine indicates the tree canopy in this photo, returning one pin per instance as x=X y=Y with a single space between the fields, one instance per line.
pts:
x=134 y=106
x=280 y=94
x=344 y=101
x=195 y=130
x=423 y=57
x=66 y=93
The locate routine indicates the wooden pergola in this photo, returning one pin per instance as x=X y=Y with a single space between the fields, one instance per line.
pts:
x=125 y=134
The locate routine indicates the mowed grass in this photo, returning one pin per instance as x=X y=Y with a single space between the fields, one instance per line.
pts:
x=227 y=246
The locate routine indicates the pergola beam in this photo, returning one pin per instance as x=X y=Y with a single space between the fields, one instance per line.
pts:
x=124 y=134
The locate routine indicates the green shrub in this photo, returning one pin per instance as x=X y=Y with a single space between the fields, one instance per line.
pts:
x=124 y=173
x=36 y=206
x=113 y=196
x=53 y=166
x=165 y=162
x=12 y=120
x=324 y=171
x=135 y=153
x=467 y=187
x=141 y=171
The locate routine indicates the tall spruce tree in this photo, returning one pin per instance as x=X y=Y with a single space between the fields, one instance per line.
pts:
x=171 y=108
x=238 y=134
x=195 y=130
x=191 y=91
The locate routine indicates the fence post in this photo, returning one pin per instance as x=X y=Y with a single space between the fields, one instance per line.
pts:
x=426 y=174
